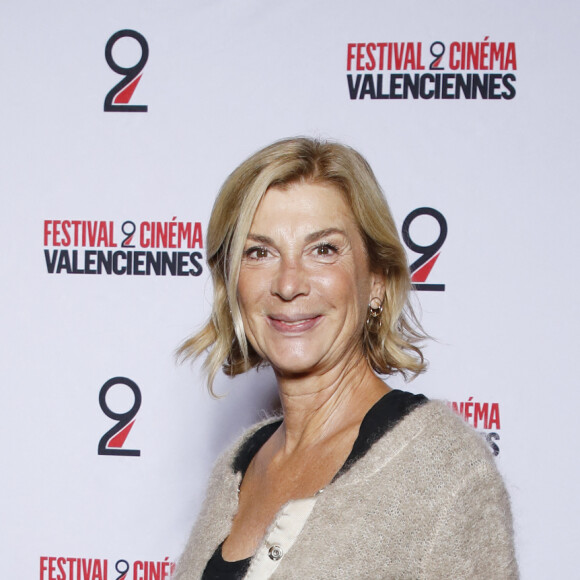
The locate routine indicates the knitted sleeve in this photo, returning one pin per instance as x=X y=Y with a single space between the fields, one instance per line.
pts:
x=474 y=535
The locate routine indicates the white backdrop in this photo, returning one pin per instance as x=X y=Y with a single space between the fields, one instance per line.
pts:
x=223 y=79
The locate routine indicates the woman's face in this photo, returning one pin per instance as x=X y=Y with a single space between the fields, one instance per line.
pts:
x=305 y=284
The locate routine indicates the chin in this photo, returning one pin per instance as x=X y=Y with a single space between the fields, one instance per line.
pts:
x=293 y=364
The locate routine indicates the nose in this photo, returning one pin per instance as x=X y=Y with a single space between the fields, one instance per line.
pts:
x=291 y=279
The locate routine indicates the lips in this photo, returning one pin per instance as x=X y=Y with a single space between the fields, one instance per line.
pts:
x=293 y=324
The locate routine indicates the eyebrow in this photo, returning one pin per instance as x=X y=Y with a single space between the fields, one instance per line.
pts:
x=313 y=237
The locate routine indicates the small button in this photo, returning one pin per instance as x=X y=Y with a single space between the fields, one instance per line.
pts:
x=275 y=553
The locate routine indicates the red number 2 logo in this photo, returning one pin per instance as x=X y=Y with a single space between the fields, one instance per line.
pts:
x=111 y=443
x=118 y=97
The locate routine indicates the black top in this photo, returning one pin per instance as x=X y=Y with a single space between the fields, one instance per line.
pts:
x=382 y=416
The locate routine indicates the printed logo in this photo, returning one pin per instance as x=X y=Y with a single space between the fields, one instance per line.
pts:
x=457 y=70
x=120 y=95
x=147 y=248
x=481 y=416
x=421 y=268
x=111 y=443
x=66 y=568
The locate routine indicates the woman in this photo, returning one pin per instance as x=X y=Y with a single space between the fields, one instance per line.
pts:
x=356 y=480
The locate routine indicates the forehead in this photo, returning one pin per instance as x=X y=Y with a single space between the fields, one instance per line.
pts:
x=318 y=205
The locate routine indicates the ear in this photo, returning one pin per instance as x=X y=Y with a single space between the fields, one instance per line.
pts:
x=378 y=286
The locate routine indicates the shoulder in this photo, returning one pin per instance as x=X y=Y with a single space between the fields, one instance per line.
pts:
x=219 y=507
x=439 y=475
x=442 y=453
x=431 y=443
x=225 y=477
x=441 y=440
x=446 y=434
x=437 y=419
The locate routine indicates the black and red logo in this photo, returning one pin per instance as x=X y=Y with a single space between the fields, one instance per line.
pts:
x=422 y=266
x=106 y=247
x=119 y=97
x=437 y=70
x=111 y=443
x=83 y=568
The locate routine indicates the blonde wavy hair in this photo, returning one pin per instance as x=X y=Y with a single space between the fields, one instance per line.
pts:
x=389 y=341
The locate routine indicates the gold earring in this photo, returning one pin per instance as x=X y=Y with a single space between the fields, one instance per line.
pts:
x=374 y=312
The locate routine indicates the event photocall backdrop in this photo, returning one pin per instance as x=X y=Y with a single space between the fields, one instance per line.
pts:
x=120 y=121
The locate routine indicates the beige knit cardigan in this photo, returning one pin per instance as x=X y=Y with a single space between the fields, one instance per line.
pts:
x=426 y=501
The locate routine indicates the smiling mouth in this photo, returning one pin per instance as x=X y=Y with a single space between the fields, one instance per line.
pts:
x=293 y=326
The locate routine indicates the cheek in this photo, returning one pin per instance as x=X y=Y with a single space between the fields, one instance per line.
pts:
x=363 y=290
x=347 y=288
x=248 y=286
x=252 y=294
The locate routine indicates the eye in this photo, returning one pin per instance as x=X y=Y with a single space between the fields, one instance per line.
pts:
x=325 y=249
x=256 y=253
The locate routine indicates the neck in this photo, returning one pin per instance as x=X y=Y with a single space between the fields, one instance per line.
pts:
x=317 y=407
